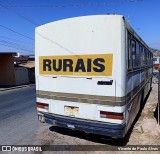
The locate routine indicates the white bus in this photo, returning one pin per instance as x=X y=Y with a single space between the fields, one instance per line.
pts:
x=92 y=74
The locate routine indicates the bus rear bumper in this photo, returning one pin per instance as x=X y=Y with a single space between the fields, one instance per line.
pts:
x=88 y=126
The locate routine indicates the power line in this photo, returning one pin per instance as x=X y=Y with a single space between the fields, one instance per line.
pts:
x=55 y=43
x=153 y=43
x=13 y=46
x=49 y=39
x=4 y=44
x=17 y=40
x=19 y=13
x=61 y=46
x=73 y=5
x=91 y=4
x=15 y=32
x=13 y=43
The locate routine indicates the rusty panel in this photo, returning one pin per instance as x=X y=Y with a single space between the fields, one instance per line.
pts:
x=7 y=76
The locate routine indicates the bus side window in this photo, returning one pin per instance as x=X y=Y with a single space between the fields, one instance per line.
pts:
x=129 y=58
x=140 y=51
x=151 y=59
x=143 y=54
x=145 y=58
x=138 y=62
x=134 y=53
x=148 y=58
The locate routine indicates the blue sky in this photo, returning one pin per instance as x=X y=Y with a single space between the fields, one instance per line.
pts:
x=23 y=16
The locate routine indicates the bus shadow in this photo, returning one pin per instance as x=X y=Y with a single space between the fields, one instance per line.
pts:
x=88 y=136
x=99 y=138
x=156 y=113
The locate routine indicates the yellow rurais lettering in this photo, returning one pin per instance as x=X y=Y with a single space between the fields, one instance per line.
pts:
x=83 y=65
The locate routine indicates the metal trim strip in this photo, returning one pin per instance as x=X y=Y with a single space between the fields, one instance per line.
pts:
x=92 y=99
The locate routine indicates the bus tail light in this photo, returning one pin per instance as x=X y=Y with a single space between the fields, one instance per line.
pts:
x=111 y=115
x=42 y=105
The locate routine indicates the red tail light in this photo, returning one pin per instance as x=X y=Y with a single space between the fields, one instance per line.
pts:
x=42 y=105
x=111 y=115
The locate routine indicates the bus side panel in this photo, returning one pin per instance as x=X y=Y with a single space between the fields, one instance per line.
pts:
x=137 y=95
x=133 y=86
x=133 y=110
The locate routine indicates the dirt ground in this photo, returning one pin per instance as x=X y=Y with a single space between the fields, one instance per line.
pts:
x=145 y=131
